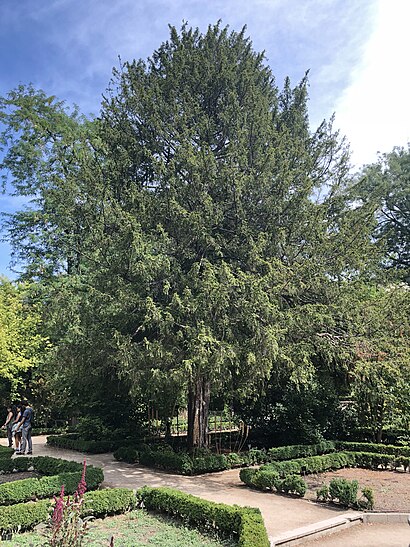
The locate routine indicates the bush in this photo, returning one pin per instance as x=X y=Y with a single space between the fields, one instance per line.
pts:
x=73 y=442
x=244 y=522
x=207 y=464
x=266 y=479
x=45 y=487
x=344 y=491
x=300 y=451
x=292 y=484
x=368 y=501
x=127 y=454
x=179 y=462
x=6 y=452
x=313 y=464
x=92 y=428
x=375 y=448
x=322 y=494
x=369 y=460
x=24 y=516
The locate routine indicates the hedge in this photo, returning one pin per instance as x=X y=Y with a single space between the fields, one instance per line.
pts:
x=6 y=452
x=245 y=523
x=300 y=451
x=24 y=516
x=71 y=442
x=267 y=476
x=45 y=465
x=46 y=487
x=375 y=448
x=183 y=463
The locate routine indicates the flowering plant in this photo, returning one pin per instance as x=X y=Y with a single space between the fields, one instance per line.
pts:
x=68 y=529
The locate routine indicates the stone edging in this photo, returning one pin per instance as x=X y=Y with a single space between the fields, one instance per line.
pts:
x=297 y=536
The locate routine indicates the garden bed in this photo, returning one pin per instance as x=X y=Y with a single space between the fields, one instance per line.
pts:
x=11 y=477
x=134 y=528
x=391 y=489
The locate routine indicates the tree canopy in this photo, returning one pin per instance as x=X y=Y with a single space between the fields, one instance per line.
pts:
x=198 y=238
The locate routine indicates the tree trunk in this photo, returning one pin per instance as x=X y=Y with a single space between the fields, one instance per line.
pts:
x=199 y=393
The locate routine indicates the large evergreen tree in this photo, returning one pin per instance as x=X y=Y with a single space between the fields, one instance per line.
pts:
x=192 y=239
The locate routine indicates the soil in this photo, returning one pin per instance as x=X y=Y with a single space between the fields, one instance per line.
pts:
x=391 y=488
x=11 y=477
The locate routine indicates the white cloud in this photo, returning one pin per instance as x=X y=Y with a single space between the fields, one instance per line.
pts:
x=374 y=111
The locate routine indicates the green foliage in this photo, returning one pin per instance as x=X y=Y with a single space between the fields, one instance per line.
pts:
x=167 y=459
x=22 y=346
x=385 y=184
x=292 y=484
x=300 y=451
x=24 y=516
x=375 y=448
x=322 y=493
x=83 y=445
x=245 y=522
x=46 y=487
x=344 y=491
x=367 y=500
x=92 y=428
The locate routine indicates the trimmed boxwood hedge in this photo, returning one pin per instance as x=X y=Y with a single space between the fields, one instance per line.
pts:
x=183 y=463
x=375 y=448
x=45 y=465
x=266 y=476
x=24 y=516
x=46 y=487
x=244 y=523
x=72 y=442
x=300 y=451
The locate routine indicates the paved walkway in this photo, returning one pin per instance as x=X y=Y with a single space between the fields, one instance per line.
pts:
x=280 y=513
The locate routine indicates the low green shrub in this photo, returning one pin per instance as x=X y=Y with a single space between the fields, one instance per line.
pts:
x=127 y=454
x=44 y=465
x=313 y=464
x=24 y=516
x=300 y=451
x=45 y=487
x=268 y=479
x=207 y=464
x=345 y=492
x=179 y=462
x=72 y=442
x=292 y=484
x=369 y=460
x=6 y=452
x=256 y=455
x=367 y=500
x=245 y=523
x=375 y=448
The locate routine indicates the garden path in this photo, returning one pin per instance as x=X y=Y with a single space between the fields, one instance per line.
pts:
x=280 y=513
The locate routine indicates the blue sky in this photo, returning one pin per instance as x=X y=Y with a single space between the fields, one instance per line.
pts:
x=353 y=48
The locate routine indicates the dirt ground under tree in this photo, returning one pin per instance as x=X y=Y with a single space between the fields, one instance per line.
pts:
x=391 y=488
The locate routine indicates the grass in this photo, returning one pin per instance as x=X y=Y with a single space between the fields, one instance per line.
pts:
x=135 y=529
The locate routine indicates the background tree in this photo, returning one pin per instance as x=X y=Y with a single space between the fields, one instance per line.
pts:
x=22 y=347
x=387 y=184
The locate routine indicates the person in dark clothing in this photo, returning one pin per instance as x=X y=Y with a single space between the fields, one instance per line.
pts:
x=8 y=424
x=25 y=425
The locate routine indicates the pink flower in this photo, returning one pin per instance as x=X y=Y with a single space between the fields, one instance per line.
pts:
x=58 y=508
x=82 y=485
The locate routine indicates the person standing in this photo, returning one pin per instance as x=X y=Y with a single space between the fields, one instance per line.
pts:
x=18 y=414
x=25 y=426
x=8 y=424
